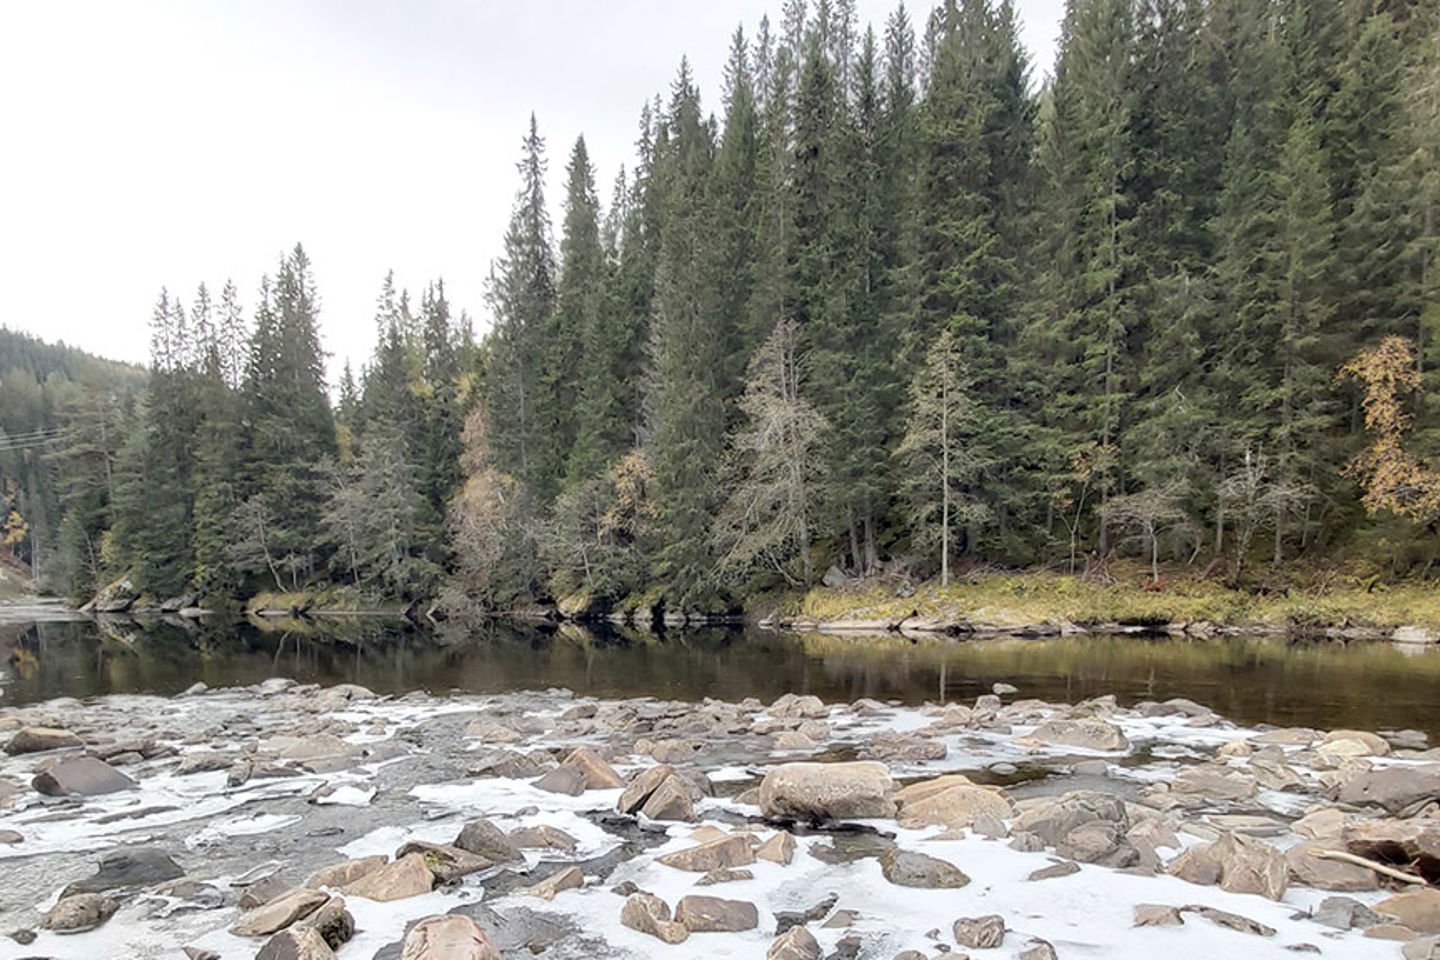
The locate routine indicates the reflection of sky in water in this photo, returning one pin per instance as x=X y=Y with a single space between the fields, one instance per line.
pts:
x=1253 y=680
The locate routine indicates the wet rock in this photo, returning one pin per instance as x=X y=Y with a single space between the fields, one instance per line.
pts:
x=786 y=919
x=1392 y=788
x=714 y=915
x=447 y=864
x=723 y=875
x=778 y=849
x=596 y=773
x=797 y=943
x=1087 y=734
x=26 y=937
x=571 y=878
x=345 y=872
x=905 y=868
x=1055 y=870
x=280 y=913
x=1157 y=915
x=1308 y=870
x=980 y=933
x=1231 y=921
x=300 y=943
x=141 y=867
x=1417 y=909
x=828 y=791
x=40 y=740
x=651 y=915
x=1343 y=913
x=729 y=851
x=406 y=877
x=543 y=837
x=567 y=780
x=84 y=776
x=484 y=839
x=79 y=913
x=451 y=937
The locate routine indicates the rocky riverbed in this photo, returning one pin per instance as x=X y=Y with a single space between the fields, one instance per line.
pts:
x=286 y=821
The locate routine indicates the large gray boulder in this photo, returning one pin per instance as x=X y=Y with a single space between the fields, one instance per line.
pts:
x=82 y=776
x=1089 y=733
x=1393 y=788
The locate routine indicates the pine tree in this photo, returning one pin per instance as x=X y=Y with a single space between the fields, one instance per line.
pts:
x=579 y=319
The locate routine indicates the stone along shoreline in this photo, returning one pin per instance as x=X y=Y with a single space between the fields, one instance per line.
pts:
x=283 y=821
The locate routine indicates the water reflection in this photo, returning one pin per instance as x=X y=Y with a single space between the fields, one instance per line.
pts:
x=1371 y=686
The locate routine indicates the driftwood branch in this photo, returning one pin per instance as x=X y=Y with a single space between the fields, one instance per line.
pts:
x=1380 y=868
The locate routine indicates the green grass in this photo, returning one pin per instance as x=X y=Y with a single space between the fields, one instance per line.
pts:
x=1031 y=598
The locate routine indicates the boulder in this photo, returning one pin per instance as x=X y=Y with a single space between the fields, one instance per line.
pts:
x=1157 y=915
x=406 y=877
x=298 y=943
x=451 y=937
x=1308 y=870
x=79 y=913
x=543 y=837
x=40 y=740
x=1214 y=781
x=1240 y=864
x=780 y=849
x=797 y=943
x=1089 y=733
x=1231 y=921
x=828 y=791
x=345 y=872
x=714 y=915
x=447 y=864
x=638 y=790
x=1371 y=745
x=957 y=805
x=728 y=851
x=484 y=839
x=491 y=731
x=905 y=868
x=83 y=776
x=332 y=921
x=571 y=878
x=280 y=913
x=670 y=801
x=1417 y=909
x=1098 y=823
x=793 y=707
x=1343 y=913
x=597 y=774
x=980 y=933
x=1392 y=788
x=651 y=915
x=139 y=867
x=562 y=779
x=1099 y=841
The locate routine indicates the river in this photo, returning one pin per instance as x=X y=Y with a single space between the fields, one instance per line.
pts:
x=1252 y=680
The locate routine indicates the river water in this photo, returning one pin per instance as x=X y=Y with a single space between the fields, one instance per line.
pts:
x=1370 y=686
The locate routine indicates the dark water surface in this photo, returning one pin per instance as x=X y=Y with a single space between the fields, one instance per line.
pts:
x=1252 y=680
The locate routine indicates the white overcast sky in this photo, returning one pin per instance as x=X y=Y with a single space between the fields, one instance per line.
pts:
x=165 y=142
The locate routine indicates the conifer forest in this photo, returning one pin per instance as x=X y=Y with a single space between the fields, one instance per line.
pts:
x=890 y=303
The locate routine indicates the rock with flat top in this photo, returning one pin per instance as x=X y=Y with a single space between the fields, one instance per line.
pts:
x=905 y=868
x=1417 y=909
x=345 y=872
x=1089 y=733
x=448 y=864
x=726 y=851
x=1394 y=789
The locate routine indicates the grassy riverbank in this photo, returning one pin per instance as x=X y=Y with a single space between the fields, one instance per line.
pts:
x=1026 y=599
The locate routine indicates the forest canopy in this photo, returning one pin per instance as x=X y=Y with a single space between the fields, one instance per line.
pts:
x=889 y=305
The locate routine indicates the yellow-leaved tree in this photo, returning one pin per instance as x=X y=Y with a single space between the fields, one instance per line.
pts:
x=1391 y=479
